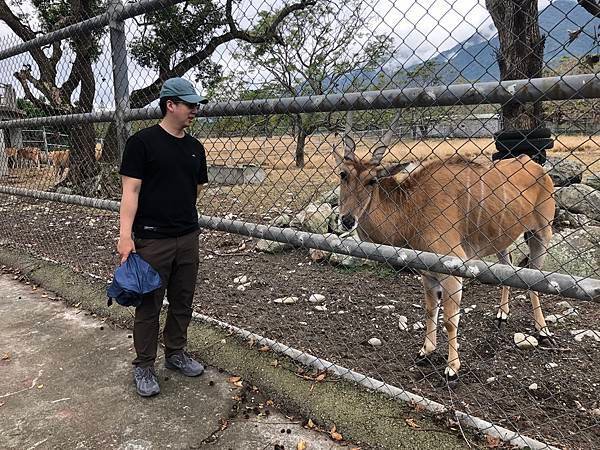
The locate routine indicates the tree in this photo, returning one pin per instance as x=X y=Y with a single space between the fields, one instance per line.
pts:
x=327 y=49
x=182 y=38
x=172 y=42
x=521 y=55
x=58 y=98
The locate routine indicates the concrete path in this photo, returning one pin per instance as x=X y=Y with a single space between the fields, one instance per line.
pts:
x=66 y=382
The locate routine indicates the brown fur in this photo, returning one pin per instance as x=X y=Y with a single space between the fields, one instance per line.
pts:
x=60 y=160
x=452 y=207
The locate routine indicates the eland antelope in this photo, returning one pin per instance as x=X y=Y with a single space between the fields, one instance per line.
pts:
x=450 y=207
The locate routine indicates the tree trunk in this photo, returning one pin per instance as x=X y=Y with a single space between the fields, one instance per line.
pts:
x=300 y=142
x=83 y=170
x=521 y=56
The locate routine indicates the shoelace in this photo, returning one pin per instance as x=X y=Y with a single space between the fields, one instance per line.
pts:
x=148 y=374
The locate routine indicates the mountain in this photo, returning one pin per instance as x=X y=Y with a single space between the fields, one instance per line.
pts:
x=475 y=58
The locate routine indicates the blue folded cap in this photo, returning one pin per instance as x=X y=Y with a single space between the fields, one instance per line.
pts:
x=132 y=279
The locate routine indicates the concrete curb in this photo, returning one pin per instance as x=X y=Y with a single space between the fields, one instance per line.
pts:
x=371 y=416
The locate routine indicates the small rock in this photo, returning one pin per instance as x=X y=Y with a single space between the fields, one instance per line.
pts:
x=321 y=308
x=579 y=405
x=553 y=318
x=241 y=287
x=523 y=341
x=533 y=387
x=286 y=300
x=490 y=380
x=570 y=312
x=318 y=255
x=240 y=280
x=386 y=308
x=595 y=412
x=563 y=305
x=316 y=298
x=580 y=334
x=521 y=297
x=468 y=310
x=418 y=326
x=551 y=365
x=403 y=323
x=375 y=342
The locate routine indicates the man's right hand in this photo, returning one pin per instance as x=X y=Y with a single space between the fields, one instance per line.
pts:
x=125 y=246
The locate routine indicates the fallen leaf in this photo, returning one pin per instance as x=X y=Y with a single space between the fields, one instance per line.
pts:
x=5 y=357
x=270 y=403
x=321 y=377
x=310 y=424
x=2 y=404
x=492 y=441
x=234 y=379
x=275 y=363
x=411 y=423
x=264 y=349
x=335 y=435
x=301 y=445
x=238 y=384
x=40 y=386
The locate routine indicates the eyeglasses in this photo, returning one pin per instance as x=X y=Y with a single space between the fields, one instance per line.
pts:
x=189 y=105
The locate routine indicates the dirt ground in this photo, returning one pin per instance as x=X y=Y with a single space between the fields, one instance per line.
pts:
x=496 y=377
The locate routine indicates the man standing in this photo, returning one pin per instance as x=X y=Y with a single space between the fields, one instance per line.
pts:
x=162 y=171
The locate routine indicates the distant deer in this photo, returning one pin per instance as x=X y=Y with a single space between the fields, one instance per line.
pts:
x=450 y=207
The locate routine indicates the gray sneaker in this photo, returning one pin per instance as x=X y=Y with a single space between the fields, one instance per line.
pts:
x=146 y=381
x=183 y=363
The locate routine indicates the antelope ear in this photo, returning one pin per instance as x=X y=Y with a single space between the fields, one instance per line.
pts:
x=390 y=171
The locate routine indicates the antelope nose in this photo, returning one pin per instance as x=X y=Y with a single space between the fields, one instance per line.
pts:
x=348 y=221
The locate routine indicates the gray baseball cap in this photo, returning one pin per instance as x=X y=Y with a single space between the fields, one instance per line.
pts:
x=183 y=89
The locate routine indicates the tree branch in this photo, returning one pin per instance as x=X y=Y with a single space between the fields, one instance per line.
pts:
x=142 y=97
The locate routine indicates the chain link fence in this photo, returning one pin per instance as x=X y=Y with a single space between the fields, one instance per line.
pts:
x=362 y=158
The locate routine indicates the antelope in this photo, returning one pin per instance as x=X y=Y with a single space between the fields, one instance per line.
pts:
x=60 y=161
x=450 y=207
x=32 y=154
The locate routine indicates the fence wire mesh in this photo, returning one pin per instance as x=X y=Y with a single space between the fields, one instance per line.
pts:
x=425 y=177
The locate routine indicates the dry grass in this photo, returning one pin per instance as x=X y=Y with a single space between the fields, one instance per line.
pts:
x=289 y=189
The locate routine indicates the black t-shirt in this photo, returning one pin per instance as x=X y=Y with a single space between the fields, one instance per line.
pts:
x=170 y=168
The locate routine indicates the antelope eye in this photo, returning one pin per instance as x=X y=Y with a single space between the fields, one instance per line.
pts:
x=343 y=175
x=372 y=182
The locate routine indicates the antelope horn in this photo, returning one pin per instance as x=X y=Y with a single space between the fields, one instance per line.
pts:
x=379 y=151
x=349 y=144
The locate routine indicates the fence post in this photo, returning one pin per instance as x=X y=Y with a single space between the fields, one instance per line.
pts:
x=120 y=73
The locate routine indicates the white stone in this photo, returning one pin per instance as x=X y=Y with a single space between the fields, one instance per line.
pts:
x=551 y=365
x=241 y=287
x=553 y=318
x=595 y=412
x=418 y=326
x=403 y=323
x=533 y=387
x=241 y=280
x=490 y=380
x=316 y=298
x=321 y=308
x=521 y=297
x=523 y=341
x=468 y=310
x=375 y=342
x=386 y=308
x=563 y=305
x=286 y=300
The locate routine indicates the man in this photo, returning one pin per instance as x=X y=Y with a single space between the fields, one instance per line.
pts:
x=162 y=171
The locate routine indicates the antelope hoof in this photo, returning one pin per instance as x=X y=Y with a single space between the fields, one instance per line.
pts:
x=451 y=377
x=500 y=322
x=546 y=341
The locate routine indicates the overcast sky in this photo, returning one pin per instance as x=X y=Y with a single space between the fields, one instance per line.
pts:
x=420 y=30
